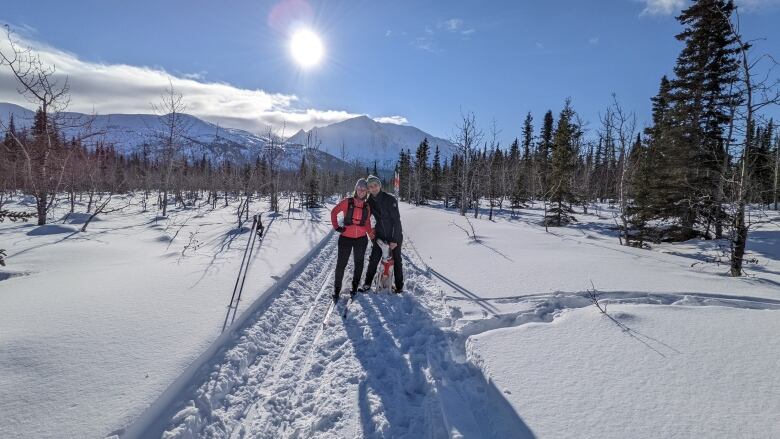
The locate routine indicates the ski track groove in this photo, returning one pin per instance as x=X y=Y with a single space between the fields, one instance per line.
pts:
x=377 y=373
x=222 y=400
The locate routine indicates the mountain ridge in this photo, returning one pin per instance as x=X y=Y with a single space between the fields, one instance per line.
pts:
x=364 y=139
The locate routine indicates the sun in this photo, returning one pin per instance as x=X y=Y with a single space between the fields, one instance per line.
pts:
x=306 y=48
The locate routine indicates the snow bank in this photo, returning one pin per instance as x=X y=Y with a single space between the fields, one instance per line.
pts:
x=679 y=372
x=95 y=326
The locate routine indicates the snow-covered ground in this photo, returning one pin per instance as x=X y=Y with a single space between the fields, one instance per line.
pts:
x=496 y=337
x=514 y=257
x=691 y=352
x=678 y=371
x=94 y=326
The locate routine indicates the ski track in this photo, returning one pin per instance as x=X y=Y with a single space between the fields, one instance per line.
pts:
x=397 y=366
x=381 y=372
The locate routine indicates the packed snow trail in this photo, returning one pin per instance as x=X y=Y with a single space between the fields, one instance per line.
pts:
x=384 y=371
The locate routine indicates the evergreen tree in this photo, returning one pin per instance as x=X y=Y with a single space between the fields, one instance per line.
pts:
x=639 y=211
x=404 y=173
x=527 y=187
x=701 y=97
x=446 y=183
x=436 y=175
x=421 y=184
x=495 y=190
x=544 y=150
x=763 y=165
x=517 y=174
x=564 y=155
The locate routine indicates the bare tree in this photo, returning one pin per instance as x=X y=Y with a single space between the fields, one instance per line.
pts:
x=777 y=170
x=625 y=131
x=42 y=152
x=758 y=92
x=466 y=139
x=171 y=137
x=274 y=153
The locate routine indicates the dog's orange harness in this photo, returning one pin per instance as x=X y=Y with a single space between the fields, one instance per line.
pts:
x=387 y=265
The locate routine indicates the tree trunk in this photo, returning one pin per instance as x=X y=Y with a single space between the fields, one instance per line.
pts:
x=739 y=240
x=40 y=206
x=165 y=202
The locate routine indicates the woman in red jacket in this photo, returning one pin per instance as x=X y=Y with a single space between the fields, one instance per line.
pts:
x=355 y=230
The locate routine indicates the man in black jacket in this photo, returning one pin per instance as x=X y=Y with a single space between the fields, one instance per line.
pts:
x=384 y=209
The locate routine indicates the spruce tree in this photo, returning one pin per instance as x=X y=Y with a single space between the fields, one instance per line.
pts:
x=517 y=174
x=701 y=97
x=436 y=175
x=763 y=165
x=564 y=155
x=544 y=150
x=421 y=173
x=528 y=157
x=639 y=210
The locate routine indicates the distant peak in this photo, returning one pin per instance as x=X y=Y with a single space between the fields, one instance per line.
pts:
x=361 y=119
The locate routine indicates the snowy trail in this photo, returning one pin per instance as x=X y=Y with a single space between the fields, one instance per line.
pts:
x=387 y=370
x=397 y=366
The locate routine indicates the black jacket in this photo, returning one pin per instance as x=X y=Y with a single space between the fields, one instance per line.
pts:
x=384 y=208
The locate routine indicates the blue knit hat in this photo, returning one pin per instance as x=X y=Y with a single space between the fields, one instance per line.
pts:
x=361 y=184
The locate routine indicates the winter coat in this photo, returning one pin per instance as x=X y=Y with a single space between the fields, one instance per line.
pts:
x=384 y=207
x=352 y=226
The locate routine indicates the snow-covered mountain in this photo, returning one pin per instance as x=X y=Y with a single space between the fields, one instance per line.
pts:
x=366 y=140
x=360 y=138
x=129 y=132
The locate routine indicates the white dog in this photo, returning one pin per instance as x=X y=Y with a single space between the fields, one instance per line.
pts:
x=384 y=281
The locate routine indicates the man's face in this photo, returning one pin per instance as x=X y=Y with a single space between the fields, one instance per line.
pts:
x=374 y=188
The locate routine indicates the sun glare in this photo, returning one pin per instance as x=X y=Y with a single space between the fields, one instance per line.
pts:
x=306 y=48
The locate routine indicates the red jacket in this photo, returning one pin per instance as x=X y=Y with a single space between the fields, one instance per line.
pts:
x=354 y=230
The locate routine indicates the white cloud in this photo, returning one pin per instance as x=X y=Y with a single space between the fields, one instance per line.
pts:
x=122 y=88
x=197 y=76
x=593 y=40
x=455 y=25
x=756 y=5
x=669 y=7
x=452 y=25
x=662 y=7
x=398 y=120
x=432 y=34
x=425 y=43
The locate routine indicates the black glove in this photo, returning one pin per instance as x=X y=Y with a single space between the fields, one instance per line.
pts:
x=341 y=229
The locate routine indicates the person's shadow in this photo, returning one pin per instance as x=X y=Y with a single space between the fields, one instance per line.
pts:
x=413 y=388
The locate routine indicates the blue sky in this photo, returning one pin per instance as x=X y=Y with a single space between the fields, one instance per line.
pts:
x=422 y=61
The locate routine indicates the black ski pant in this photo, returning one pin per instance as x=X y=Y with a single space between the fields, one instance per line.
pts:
x=356 y=246
x=373 y=261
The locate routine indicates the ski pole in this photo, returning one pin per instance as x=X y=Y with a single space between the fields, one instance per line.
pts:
x=240 y=269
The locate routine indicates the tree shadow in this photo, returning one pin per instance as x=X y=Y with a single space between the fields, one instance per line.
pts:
x=765 y=242
x=412 y=387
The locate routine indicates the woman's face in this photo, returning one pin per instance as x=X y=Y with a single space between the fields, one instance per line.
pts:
x=361 y=192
